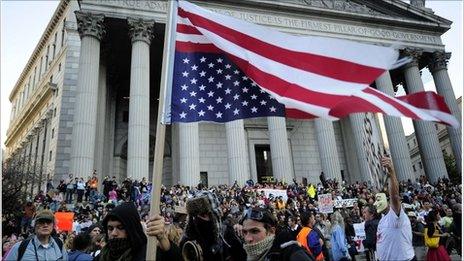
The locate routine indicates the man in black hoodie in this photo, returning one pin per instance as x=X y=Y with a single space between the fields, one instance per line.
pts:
x=206 y=237
x=126 y=240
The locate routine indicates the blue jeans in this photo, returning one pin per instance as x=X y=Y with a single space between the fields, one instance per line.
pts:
x=69 y=195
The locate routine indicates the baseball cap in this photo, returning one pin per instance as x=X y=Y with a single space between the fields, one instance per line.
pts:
x=45 y=215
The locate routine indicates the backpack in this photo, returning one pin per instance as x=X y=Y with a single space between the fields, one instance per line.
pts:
x=24 y=243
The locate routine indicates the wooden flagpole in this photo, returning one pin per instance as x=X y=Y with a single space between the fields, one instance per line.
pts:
x=166 y=82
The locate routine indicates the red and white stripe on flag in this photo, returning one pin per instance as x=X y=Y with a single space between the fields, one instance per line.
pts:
x=312 y=76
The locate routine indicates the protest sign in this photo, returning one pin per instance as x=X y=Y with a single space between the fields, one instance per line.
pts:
x=325 y=203
x=275 y=193
x=347 y=203
x=64 y=221
x=360 y=235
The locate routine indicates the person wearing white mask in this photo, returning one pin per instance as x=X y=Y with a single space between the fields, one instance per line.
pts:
x=394 y=234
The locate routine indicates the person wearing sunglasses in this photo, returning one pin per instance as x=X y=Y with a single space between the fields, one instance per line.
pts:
x=258 y=227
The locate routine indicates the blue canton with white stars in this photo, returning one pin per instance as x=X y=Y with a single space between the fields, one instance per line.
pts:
x=209 y=87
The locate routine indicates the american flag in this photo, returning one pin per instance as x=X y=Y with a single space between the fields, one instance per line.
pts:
x=311 y=76
x=209 y=87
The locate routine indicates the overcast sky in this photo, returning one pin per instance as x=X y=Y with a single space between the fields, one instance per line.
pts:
x=23 y=22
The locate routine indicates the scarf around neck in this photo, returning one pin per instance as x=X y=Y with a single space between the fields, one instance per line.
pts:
x=258 y=250
x=117 y=249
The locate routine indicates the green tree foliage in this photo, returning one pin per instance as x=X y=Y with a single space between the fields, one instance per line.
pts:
x=451 y=168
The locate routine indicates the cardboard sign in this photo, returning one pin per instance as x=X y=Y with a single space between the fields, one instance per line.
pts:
x=275 y=193
x=64 y=221
x=180 y=209
x=347 y=203
x=325 y=203
x=360 y=235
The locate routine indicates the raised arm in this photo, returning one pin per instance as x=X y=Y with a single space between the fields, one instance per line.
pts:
x=393 y=189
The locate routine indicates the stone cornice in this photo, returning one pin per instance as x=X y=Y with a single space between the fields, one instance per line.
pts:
x=89 y=24
x=56 y=18
x=140 y=29
x=438 y=61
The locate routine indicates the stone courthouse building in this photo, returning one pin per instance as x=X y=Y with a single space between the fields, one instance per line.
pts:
x=88 y=97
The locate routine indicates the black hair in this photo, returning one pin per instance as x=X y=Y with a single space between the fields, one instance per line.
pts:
x=430 y=219
x=81 y=242
x=305 y=217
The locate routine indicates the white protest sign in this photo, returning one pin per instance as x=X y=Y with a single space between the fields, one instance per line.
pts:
x=325 y=203
x=347 y=203
x=360 y=235
x=275 y=193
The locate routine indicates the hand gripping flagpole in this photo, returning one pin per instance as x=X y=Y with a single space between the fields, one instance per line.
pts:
x=165 y=86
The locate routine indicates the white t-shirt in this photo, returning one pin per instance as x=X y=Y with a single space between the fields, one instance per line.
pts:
x=394 y=237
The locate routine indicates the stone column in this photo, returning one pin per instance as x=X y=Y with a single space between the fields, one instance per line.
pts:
x=141 y=33
x=90 y=27
x=357 y=125
x=101 y=120
x=237 y=153
x=437 y=66
x=396 y=139
x=189 y=154
x=281 y=166
x=426 y=134
x=327 y=149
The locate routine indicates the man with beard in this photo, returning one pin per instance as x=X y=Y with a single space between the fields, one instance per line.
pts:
x=206 y=237
x=126 y=240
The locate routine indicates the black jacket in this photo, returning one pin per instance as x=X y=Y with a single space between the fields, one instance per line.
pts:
x=127 y=214
x=285 y=248
x=232 y=247
x=370 y=228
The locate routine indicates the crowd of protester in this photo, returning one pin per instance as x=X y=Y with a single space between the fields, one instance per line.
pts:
x=434 y=212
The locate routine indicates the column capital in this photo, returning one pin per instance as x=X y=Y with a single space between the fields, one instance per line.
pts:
x=140 y=29
x=413 y=53
x=89 y=24
x=438 y=60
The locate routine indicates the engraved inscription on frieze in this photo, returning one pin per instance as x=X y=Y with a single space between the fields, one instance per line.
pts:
x=339 y=5
x=322 y=26
x=297 y=23
x=134 y=4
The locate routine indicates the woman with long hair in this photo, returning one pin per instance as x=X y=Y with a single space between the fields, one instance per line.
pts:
x=432 y=235
x=338 y=239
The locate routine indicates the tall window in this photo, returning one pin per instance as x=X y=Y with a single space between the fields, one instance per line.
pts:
x=46 y=58
x=54 y=45
x=35 y=76
x=63 y=30
x=40 y=68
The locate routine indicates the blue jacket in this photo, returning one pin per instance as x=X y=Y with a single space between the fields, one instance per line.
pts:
x=79 y=256
x=313 y=242
x=50 y=252
x=338 y=242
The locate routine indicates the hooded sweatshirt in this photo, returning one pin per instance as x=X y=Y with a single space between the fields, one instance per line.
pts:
x=127 y=214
